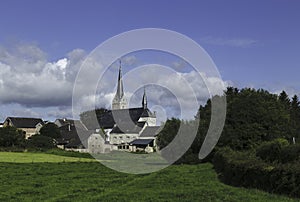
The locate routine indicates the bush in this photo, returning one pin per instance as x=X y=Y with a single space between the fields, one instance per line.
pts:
x=40 y=142
x=243 y=169
x=290 y=154
x=271 y=151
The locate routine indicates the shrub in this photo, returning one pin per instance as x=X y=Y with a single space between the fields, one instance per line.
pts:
x=271 y=151
x=242 y=169
x=40 y=142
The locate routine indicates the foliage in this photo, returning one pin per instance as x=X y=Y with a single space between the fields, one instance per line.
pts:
x=274 y=152
x=241 y=169
x=50 y=130
x=253 y=117
x=168 y=132
x=271 y=151
x=91 y=181
x=40 y=142
x=11 y=137
x=182 y=129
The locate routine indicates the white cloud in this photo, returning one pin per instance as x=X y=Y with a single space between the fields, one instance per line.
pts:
x=28 y=79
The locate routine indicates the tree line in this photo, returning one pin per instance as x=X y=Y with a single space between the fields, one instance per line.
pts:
x=13 y=139
x=253 y=117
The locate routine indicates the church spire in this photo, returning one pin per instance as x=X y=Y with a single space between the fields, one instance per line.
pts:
x=119 y=101
x=144 y=102
x=120 y=92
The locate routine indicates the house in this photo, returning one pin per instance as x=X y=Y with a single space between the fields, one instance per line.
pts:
x=146 y=141
x=74 y=135
x=1 y=125
x=28 y=125
x=97 y=144
x=122 y=125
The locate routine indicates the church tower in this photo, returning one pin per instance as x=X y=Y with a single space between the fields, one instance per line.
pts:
x=144 y=102
x=119 y=101
x=147 y=116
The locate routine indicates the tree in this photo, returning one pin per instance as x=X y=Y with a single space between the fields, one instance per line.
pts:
x=50 y=130
x=41 y=142
x=11 y=137
x=284 y=99
x=295 y=116
x=168 y=133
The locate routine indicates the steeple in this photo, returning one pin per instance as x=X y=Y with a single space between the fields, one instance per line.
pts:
x=144 y=102
x=120 y=92
x=119 y=101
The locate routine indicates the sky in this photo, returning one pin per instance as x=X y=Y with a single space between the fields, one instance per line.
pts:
x=43 y=43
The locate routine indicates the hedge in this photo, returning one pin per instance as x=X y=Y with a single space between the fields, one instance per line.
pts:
x=244 y=169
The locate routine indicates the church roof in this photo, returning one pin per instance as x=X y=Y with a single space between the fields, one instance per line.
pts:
x=111 y=118
x=128 y=127
x=147 y=113
x=150 y=131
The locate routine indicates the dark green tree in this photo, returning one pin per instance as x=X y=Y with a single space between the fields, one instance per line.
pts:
x=50 y=130
x=295 y=117
x=11 y=137
x=40 y=142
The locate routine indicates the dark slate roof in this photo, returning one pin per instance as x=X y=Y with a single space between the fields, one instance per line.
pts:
x=128 y=127
x=109 y=118
x=150 y=131
x=21 y=122
x=67 y=122
x=73 y=136
x=141 y=142
x=147 y=113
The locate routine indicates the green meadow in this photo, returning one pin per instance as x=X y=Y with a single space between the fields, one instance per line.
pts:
x=48 y=177
x=26 y=157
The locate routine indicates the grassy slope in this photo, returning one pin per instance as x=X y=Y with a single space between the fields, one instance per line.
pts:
x=20 y=157
x=90 y=181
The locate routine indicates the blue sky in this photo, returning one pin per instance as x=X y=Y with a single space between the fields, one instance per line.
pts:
x=253 y=43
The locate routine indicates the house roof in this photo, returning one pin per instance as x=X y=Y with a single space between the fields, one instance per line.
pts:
x=150 y=131
x=22 y=122
x=141 y=142
x=66 y=122
x=111 y=118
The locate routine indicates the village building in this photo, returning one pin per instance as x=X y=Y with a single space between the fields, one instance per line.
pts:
x=74 y=135
x=28 y=125
x=146 y=140
x=121 y=126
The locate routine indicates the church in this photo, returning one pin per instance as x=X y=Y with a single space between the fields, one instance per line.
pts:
x=126 y=129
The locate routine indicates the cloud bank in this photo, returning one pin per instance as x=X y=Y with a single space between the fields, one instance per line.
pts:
x=29 y=80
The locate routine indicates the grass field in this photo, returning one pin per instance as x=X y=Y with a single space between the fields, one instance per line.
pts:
x=45 y=177
x=25 y=157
